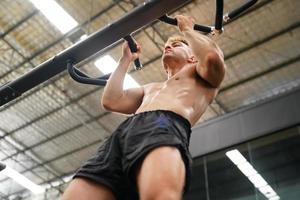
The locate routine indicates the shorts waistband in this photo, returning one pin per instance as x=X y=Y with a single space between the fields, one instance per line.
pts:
x=185 y=122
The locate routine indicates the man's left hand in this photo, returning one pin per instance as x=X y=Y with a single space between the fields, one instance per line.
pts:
x=185 y=23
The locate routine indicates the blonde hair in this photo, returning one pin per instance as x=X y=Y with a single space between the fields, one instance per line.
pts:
x=178 y=38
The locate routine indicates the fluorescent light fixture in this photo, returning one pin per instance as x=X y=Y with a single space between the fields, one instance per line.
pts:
x=257 y=180
x=22 y=180
x=274 y=198
x=55 y=14
x=248 y=170
x=236 y=157
x=107 y=64
x=267 y=190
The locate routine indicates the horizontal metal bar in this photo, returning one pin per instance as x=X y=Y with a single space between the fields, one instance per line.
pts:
x=139 y=17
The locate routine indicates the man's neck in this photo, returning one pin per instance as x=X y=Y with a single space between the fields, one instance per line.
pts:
x=173 y=71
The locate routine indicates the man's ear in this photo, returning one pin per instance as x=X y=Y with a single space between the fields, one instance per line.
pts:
x=192 y=59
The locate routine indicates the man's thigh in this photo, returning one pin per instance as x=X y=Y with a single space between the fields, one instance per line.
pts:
x=162 y=169
x=83 y=189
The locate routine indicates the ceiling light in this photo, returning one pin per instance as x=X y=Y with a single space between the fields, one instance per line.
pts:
x=248 y=170
x=236 y=157
x=274 y=198
x=106 y=64
x=257 y=180
x=268 y=191
x=22 y=180
x=55 y=14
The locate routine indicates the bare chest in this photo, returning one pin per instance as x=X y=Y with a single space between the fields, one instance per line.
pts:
x=185 y=85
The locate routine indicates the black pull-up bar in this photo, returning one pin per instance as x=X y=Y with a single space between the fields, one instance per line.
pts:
x=106 y=37
x=100 y=40
x=217 y=29
x=81 y=77
x=219 y=19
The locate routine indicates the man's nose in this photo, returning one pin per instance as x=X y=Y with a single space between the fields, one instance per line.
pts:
x=167 y=47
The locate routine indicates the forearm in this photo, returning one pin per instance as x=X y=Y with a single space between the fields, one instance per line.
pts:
x=209 y=56
x=113 y=90
x=201 y=45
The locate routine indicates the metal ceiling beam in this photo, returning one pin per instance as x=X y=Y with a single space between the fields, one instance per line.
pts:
x=19 y=23
x=254 y=45
x=262 y=73
x=263 y=40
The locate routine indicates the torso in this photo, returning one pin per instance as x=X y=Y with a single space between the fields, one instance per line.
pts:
x=185 y=94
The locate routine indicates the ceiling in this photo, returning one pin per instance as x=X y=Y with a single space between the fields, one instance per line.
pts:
x=49 y=131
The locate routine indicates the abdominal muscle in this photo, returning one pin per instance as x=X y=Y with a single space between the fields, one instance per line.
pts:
x=185 y=96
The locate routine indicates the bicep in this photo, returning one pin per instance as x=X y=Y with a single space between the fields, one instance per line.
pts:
x=129 y=102
x=212 y=69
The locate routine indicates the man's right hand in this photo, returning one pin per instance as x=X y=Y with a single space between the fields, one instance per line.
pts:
x=127 y=55
x=114 y=93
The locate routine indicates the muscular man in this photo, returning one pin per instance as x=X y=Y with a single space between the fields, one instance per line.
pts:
x=147 y=156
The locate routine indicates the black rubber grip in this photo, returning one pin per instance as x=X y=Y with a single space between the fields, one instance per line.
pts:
x=133 y=49
x=173 y=21
x=219 y=14
x=81 y=77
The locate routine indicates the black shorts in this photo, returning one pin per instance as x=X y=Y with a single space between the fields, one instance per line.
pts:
x=116 y=160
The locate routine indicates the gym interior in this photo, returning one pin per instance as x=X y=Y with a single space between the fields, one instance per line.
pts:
x=246 y=145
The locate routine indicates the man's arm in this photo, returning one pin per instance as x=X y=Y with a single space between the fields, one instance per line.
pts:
x=116 y=99
x=210 y=57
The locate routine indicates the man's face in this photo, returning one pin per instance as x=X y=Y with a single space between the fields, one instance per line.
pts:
x=176 y=53
x=176 y=50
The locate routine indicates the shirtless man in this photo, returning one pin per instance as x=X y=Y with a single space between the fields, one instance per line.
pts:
x=147 y=156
